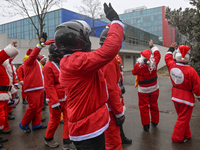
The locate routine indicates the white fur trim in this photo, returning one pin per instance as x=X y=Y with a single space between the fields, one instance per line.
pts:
x=9 y=71
x=55 y=105
x=5 y=96
x=13 y=90
x=43 y=58
x=155 y=48
x=1 y=127
x=11 y=51
x=117 y=21
x=149 y=89
x=21 y=82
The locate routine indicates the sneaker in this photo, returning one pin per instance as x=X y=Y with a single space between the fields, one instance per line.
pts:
x=154 y=124
x=146 y=127
x=184 y=140
x=8 y=131
x=10 y=116
x=28 y=130
x=1 y=147
x=51 y=143
x=2 y=140
x=70 y=146
x=41 y=127
x=24 y=101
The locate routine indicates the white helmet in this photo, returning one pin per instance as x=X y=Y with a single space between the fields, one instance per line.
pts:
x=183 y=54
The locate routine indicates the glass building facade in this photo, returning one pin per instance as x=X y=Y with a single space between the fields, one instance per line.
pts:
x=135 y=38
x=152 y=21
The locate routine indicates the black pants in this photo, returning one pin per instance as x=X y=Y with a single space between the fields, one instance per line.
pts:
x=97 y=143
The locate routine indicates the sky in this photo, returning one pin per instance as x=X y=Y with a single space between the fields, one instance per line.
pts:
x=118 y=5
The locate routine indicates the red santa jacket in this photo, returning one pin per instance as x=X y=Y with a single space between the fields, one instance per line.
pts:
x=20 y=73
x=54 y=91
x=144 y=74
x=86 y=88
x=185 y=80
x=112 y=74
x=6 y=71
x=33 y=77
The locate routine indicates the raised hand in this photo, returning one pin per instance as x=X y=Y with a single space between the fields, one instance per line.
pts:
x=110 y=12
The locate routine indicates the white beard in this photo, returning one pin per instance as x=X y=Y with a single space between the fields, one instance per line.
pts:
x=151 y=63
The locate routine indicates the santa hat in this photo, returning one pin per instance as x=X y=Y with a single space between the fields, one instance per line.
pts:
x=28 y=52
x=183 y=50
x=146 y=53
x=42 y=57
x=50 y=42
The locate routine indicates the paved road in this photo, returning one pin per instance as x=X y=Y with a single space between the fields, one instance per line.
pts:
x=158 y=138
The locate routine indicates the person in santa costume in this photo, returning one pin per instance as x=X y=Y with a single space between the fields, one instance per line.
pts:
x=7 y=90
x=125 y=140
x=20 y=74
x=112 y=74
x=82 y=77
x=185 y=82
x=43 y=60
x=56 y=97
x=13 y=102
x=34 y=88
x=148 y=88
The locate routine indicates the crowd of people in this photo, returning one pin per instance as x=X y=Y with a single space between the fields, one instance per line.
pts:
x=85 y=87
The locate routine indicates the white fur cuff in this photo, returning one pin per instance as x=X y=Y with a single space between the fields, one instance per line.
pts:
x=155 y=48
x=11 y=51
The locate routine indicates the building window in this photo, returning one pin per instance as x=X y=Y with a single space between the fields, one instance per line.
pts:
x=128 y=57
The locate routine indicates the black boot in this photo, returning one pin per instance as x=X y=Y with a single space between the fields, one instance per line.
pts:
x=125 y=140
x=10 y=116
x=154 y=124
x=24 y=101
x=146 y=127
x=1 y=147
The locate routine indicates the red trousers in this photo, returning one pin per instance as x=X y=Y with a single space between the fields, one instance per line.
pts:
x=112 y=135
x=54 y=121
x=33 y=113
x=182 y=127
x=4 y=115
x=149 y=101
x=22 y=93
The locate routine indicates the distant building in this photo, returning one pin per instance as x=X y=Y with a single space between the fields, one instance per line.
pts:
x=152 y=21
x=23 y=30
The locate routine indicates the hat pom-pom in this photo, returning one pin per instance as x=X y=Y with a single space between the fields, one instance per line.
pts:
x=148 y=62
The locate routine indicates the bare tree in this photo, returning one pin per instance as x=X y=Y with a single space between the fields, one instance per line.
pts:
x=29 y=8
x=91 y=8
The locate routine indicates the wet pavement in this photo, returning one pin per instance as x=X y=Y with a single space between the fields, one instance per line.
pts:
x=158 y=138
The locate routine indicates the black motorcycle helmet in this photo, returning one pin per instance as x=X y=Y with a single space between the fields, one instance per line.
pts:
x=53 y=51
x=73 y=36
x=104 y=35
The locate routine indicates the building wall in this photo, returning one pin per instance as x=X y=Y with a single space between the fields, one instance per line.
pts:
x=128 y=56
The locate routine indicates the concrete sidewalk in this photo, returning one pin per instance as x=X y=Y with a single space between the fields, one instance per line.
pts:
x=158 y=138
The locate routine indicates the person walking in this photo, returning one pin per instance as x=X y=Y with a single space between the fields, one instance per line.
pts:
x=185 y=82
x=148 y=88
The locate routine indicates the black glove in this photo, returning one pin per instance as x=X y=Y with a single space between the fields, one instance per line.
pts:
x=120 y=120
x=110 y=12
x=171 y=49
x=57 y=107
x=122 y=89
x=44 y=36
